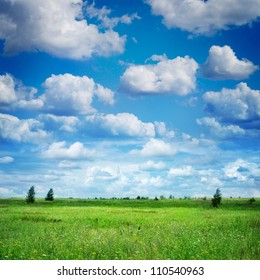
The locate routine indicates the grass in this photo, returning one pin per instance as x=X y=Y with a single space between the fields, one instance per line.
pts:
x=129 y=229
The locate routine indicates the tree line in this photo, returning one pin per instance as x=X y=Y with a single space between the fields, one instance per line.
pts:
x=30 y=198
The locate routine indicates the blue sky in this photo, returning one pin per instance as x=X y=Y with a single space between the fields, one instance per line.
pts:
x=127 y=98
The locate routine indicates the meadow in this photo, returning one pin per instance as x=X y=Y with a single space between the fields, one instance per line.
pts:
x=187 y=229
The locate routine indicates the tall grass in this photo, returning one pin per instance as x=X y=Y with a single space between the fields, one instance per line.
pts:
x=119 y=229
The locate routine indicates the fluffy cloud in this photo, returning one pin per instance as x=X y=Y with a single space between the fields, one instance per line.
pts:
x=222 y=64
x=60 y=122
x=6 y=159
x=27 y=130
x=122 y=124
x=126 y=124
x=58 y=150
x=150 y=165
x=241 y=105
x=100 y=174
x=205 y=17
x=68 y=94
x=242 y=170
x=219 y=130
x=56 y=27
x=155 y=148
x=167 y=76
x=13 y=94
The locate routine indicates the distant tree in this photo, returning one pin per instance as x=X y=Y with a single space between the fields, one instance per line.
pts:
x=251 y=200
x=138 y=197
x=50 y=195
x=216 y=200
x=156 y=198
x=30 y=198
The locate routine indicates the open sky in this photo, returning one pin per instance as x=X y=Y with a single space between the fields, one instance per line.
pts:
x=124 y=98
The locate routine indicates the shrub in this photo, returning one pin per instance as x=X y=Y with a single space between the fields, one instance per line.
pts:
x=251 y=200
x=216 y=200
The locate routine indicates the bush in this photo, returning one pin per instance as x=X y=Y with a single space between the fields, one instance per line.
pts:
x=251 y=200
x=216 y=200
x=30 y=198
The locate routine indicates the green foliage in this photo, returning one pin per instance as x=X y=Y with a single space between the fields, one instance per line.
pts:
x=216 y=200
x=30 y=198
x=50 y=195
x=251 y=200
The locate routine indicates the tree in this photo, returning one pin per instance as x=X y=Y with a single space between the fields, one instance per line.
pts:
x=251 y=200
x=50 y=195
x=216 y=200
x=30 y=198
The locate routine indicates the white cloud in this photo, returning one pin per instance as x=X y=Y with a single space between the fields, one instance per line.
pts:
x=220 y=130
x=62 y=122
x=122 y=124
x=241 y=104
x=56 y=27
x=150 y=165
x=13 y=94
x=7 y=192
x=58 y=150
x=181 y=172
x=100 y=174
x=6 y=159
x=155 y=148
x=205 y=17
x=68 y=94
x=161 y=130
x=168 y=76
x=25 y=130
x=242 y=170
x=222 y=64
x=103 y=16
x=126 y=124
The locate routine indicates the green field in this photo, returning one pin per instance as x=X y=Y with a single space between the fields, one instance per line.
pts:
x=129 y=229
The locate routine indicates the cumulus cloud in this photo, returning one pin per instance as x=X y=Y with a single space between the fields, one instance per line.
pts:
x=100 y=174
x=126 y=124
x=205 y=17
x=58 y=150
x=167 y=76
x=222 y=64
x=241 y=170
x=56 y=27
x=21 y=130
x=68 y=94
x=150 y=165
x=219 y=130
x=122 y=124
x=155 y=148
x=15 y=95
x=60 y=122
x=6 y=159
x=239 y=105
